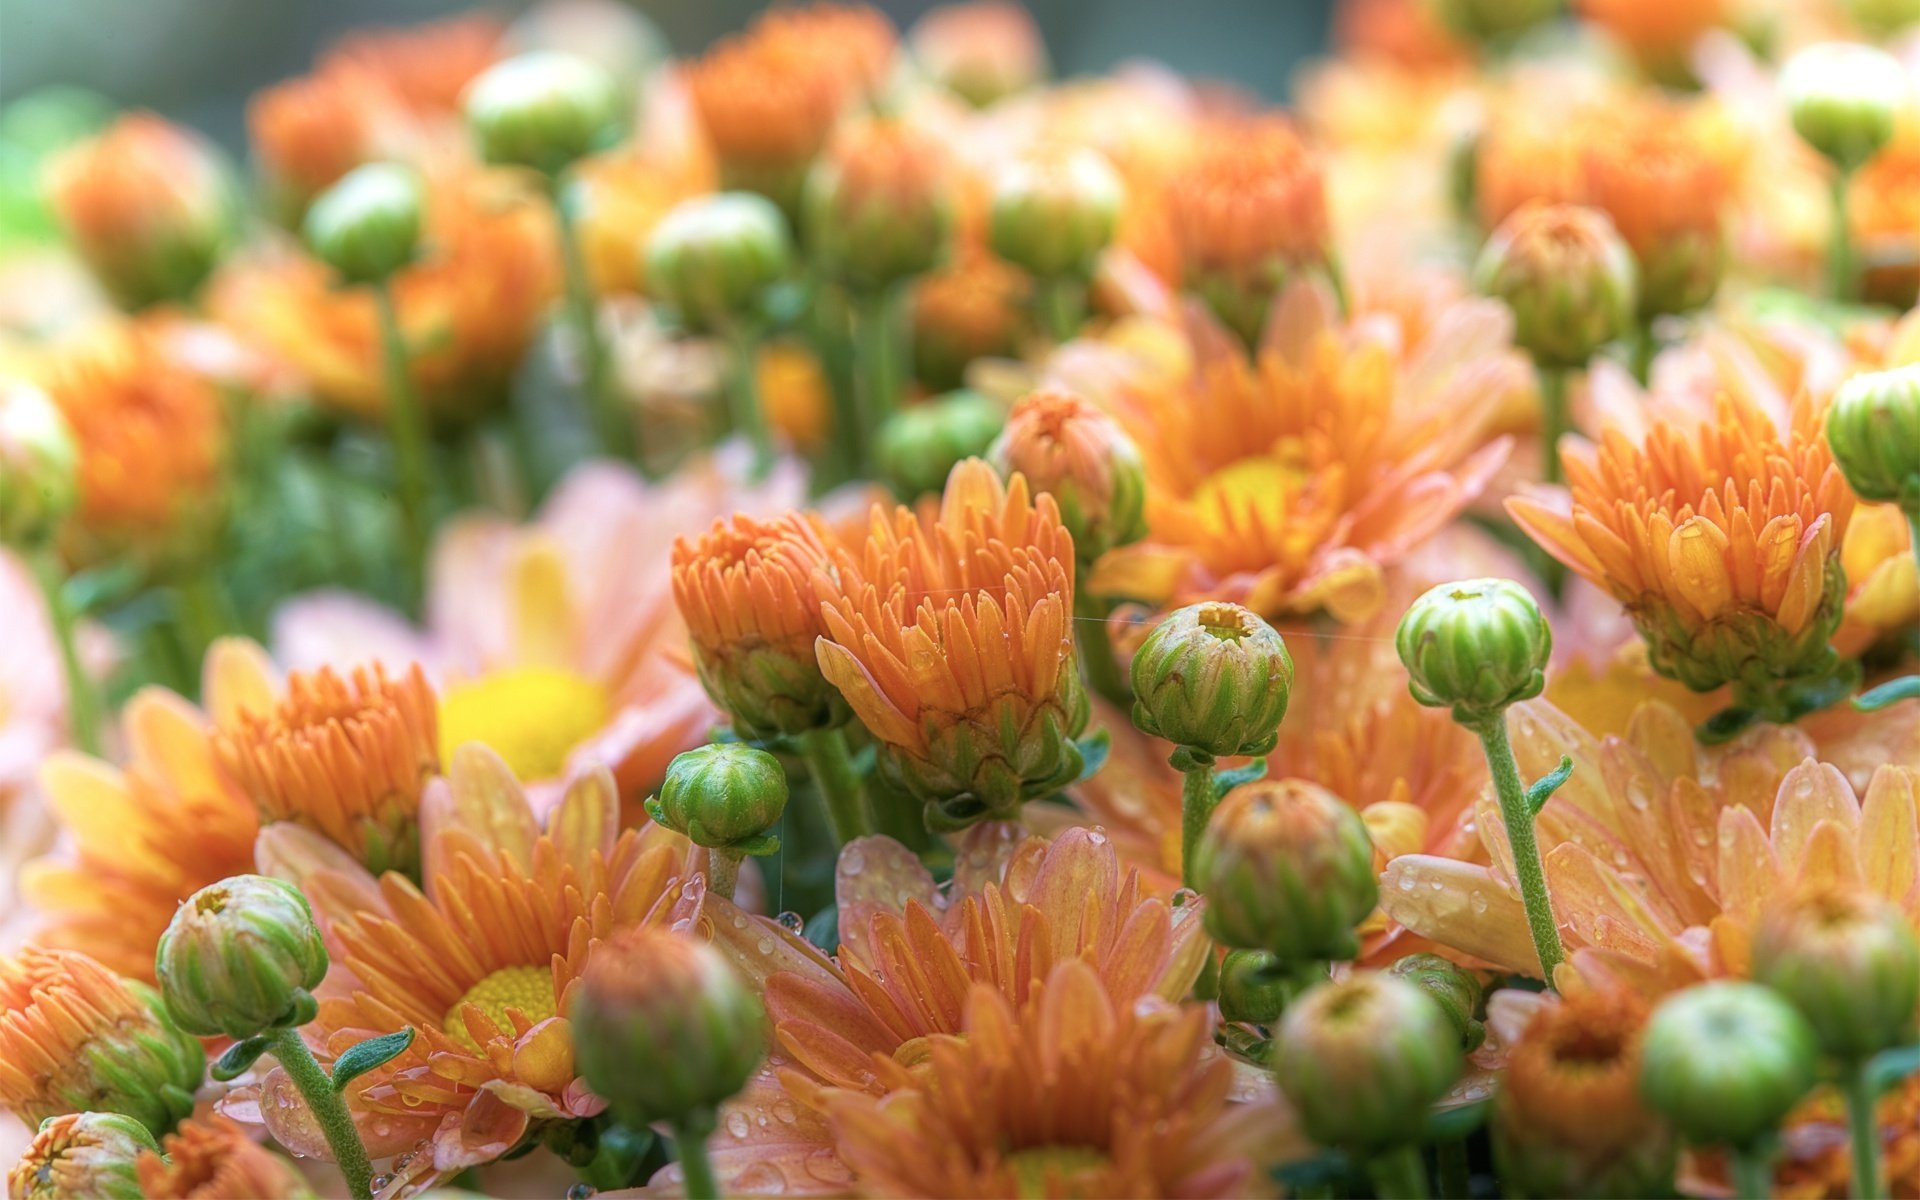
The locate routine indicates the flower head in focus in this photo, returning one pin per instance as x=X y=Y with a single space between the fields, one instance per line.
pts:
x=952 y=640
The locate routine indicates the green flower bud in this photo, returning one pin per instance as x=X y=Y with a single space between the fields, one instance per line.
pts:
x=1843 y=98
x=918 y=446
x=1849 y=962
x=879 y=205
x=1253 y=987
x=1725 y=1062
x=544 y=110
x=241 y=957
x=663 y=1029
x=712 y=257
x=1078 y=454
x=1873 y=426
x=1457 y=991
x=1053 y=217
x=1364 y=1059
x=90 y=1154
x=725 y=796
x=1492 y=20
x=367 y=226
x=39 y=465
x=1286 y=867
x=1566 y=275
x=1478 y=645
x=1213 y=677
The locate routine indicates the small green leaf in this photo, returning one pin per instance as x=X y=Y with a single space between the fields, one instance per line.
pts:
x=374 y=1052
x=1453 y=1124
x=1544 y=787
x=238 y=1058
x=758 y=846
x=1892 y=1066
x=1226 y=781
x=1724 y=725
x=1889 y=693
x=652 y=805
x=1093 y=753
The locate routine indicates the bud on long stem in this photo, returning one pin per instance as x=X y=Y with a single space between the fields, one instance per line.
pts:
x=1518 y=818
x=329 y=1110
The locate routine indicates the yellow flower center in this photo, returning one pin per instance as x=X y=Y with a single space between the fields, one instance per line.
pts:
x=1058 y=1171
x=532 y=717
x=1258 y=488
x=529 y=990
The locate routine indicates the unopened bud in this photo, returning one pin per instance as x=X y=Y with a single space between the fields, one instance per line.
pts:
x=1726 y=1062
x=713 y=257
x=240 y=958
x=1873 y=426
x=1053 y=216
x=544 y=110
x=1843 y=98
x=726 y=796
x=1478 y=645
x=1215 y=678
x=1849 y=962
x=1566 y=275
x=1286 y=867
x=367 y=226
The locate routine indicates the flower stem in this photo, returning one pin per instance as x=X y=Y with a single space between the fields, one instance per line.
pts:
x=1197 y=799
x=1644 y=346
x=690 y=1143
x=749 y=419
x=1063 y=305
x=83 y=702
x=1555 y=423
x=879 y=360
x=1840 y=268
x=407 y=426
x=1456 y=1182
x=1526 y=850
x=1103 y=671
x=1868 y=1183
x=329 y=1110
x=1752 y=1171
x=830 y=764
x=1398 y=1174
x=723 y=872
x=617 y=434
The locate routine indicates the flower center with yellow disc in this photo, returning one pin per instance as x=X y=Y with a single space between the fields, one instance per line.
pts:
x=1046 y=1171
x=1253 y=492
x=532 y=717
x=527 y=989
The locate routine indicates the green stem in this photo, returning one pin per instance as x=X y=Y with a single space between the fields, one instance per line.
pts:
x=690 y=1143
x=1555 y=422
x=1913 y=534
x=1526 y=849
x=879 y=365
x=1840 y=268
x=1644 y=346
x=83 y=702
x=204 y=614
x=329 y=1110
x=1868 y=1182
x=1398 y=1174
x=1456 y=1181
x=617 y=434
x=723 y=872
x=1197 y=798
x=749 y=419
x=1063 y=306
x=407 y=426
x=831 y=765
x=1096 y=649
x=1752 y=1171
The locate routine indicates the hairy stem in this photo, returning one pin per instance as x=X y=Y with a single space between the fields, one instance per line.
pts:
x=1840 y=267
x=1197 y=799
x=1555 y=422
x=329 y=1110
x=723 y=872
x=880 y=355
x=1095 y=643
x=1526 y=849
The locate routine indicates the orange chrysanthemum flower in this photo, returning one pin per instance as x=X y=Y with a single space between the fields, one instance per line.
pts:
x=1403 y=33
x=468 y=308
x=1721 y=538
x=1658 y=32
x=1248 y=212
x=770 y=96
x=1883 y=215
x=1071 y=1094
x=75 y=1037
x=346 y=757
x=617 y=199
x=214 y=1159
x=427 y=66
x=969 y=308
x=952 y=639
x=747 y=591
x=147 y=205
x=309 y=131
x=796 y=394
x=152 y=436
x=1665 y=171
x=80 y=1154
x=141 y=837
x=1289 y=483
x=481 y=959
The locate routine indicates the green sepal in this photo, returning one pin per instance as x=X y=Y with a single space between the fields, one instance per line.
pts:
x=1093 y=753
x=1226 y=781
x=1724 y=725
x=1544 y=787
x=238 y=1058
x=1889 y=693
x=652 y=805
x=358 y=1059
x=758 y=846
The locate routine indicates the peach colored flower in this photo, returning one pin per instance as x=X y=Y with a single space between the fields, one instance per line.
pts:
x=214 y=1159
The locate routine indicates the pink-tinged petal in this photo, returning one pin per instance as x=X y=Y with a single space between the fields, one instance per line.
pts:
x=1592 y=902
x=1511 y=1010
x=1749 y=876
x=1547 y=518
x=299 y=856
x=1079 y=872
x=89 y=796
x=761 y=948
x=1187 y=952
x=767 y=1145
x=587 y=819
x=237 y=678
x=336 y=628
x=1890 y=834
x=544 y=626
x=1305 y=312
x=1811 y=793
x=878 y=875
x=1459 y=905
x=488 y=1128
x=467 y=608
x=644 y=736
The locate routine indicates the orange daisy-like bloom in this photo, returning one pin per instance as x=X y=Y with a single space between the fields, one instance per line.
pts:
x=1070 y=1094
x=214 y=1159
x=1248 y=211
x=952 y=640
x=309 y=131
x=970 y=308
x=468 y=308
x=1290 y=482
x=481 y=959
x=147 y=205
x=80 y=1154
x=1721 y=537
x=141 y=837
x=346 y=757
x=746 y=590
x=151 y=431
x=1664 y=170
x=427 y=66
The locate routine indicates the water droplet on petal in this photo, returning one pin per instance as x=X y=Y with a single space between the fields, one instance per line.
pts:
x=737 y=1124
x=792 y=922
x=1477 y=899
x=853 y=860
x=582 y=1191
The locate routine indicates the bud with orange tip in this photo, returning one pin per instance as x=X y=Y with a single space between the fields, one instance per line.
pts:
x=1849 y=962
x=879 y=205
x=1079 y=455
x=90 y=1154
x=1568 y=278
x=1052 y=216
x=241 y=958
x=982 y=51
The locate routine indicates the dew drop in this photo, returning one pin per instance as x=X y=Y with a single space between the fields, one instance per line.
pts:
x=853 y=860
x=381 y=1183
x=1619 y=858
x=785 y=1112
x=582 y=1191
x=1183 y=897
x=826 y=1166
x=739 y=921
x=761 y=1178
x=792 y=922
x=1700 y=835
x=764 y=946
x=737 y=1124
x=1477 y=900
x=1639 y=795
x=1437 y=885
x=1408 y=881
